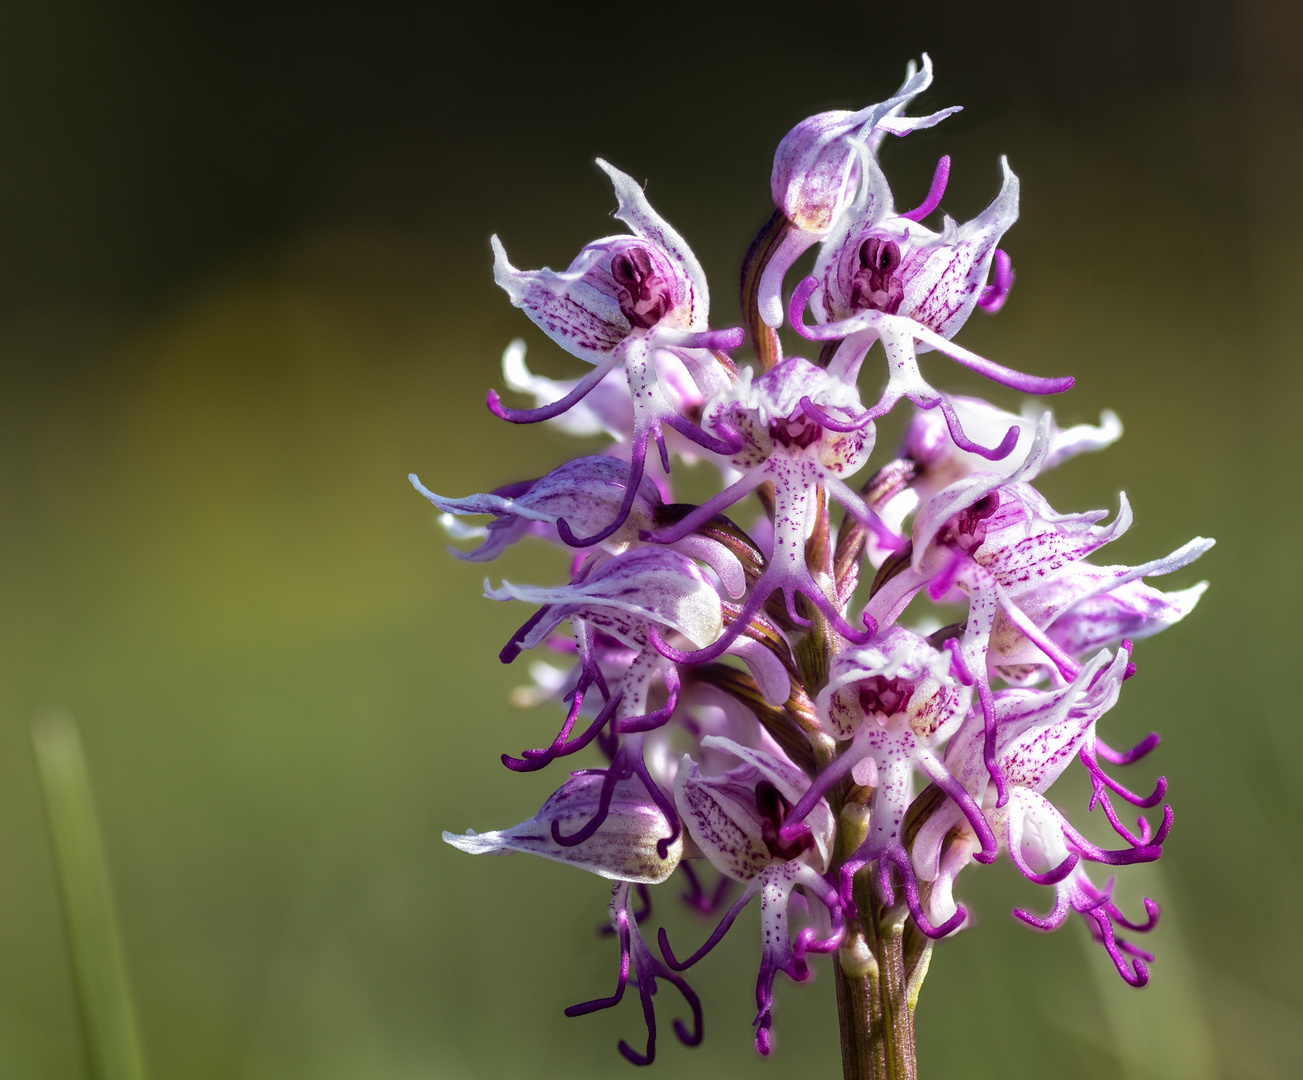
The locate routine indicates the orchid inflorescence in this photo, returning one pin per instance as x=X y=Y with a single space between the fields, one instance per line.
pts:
x=761 y=702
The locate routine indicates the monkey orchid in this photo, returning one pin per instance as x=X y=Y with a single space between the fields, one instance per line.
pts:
x=737 y=821
x=817 y=169
x=1039 y=735
x=623 y=298
x=883 y=276
x=736 y=727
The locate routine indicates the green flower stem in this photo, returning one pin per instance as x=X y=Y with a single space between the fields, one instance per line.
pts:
x=879 y=969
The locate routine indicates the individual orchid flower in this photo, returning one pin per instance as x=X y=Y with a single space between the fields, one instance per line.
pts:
x=896 y=700
x=636 y=598
x=709 y=722
x=883 y=276
x=801 y=430
x=626 y=848
x=623 y=298
x=623 y=597
x=736 y=820
x=995 y=540
x=586 y=491
x=1040 y=732
x=817 y=169
x=1038 y=571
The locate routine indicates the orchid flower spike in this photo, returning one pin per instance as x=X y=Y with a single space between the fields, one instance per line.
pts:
x=735 y=727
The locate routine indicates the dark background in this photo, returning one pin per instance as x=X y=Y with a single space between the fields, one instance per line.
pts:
x=245 y=288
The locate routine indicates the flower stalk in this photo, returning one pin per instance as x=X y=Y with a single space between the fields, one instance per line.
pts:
x=879 y=970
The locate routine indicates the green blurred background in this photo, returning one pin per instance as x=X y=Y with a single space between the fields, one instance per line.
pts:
x=245 y=288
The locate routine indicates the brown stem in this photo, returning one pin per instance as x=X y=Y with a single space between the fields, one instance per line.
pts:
x=851 y=537
x=763 y=339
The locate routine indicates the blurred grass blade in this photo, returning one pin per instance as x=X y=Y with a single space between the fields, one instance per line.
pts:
x=99 y=963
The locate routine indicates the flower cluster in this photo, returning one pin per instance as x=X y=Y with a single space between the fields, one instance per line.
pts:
x=764 y=680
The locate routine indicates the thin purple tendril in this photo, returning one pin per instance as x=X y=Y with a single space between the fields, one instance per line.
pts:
x=1126 y=857
x=512 y=648
x=895 y=857
x=533 y=760
x=994 y=295
x=648 y=970
x=697 y=898
x=1132 y=971
x=1099 y=778
x=989 y=759
x=973 y=813
x=628 y=763
x=611 y=776
x=663 y=803
x=585 y=1007
x=805 y=288
x=556 y=408
x=957 y=664
x=637 y=461
x=1145 y=837
x=1052 y=876
x=825 y=421
x=995 y=453
x=714 y=939
x=685 y=427
x=1128 y=757
x=934 y=193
